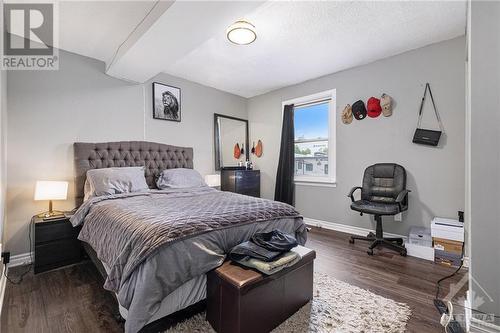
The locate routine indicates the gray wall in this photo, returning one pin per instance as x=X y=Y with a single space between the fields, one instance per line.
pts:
x=485 y=162
x=435 y=175
x=3 y=167
x=49 y=110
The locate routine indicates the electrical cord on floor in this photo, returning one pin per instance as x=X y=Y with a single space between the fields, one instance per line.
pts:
x=450 y=324
x=453 y=326
x=438 y=284
x=21 y=277
x=438 y=290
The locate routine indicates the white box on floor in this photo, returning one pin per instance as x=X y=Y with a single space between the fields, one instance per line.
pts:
x=420 y=236
x=447 y=229
x=419 y=251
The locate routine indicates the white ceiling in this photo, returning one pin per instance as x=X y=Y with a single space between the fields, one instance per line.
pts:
x=297 y=41
x=184 y=27
x=96 y=28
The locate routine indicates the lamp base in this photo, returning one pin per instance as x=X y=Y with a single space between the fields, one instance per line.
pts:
x=51 y=214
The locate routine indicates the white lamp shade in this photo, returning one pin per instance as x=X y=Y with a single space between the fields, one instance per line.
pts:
x=212 y=180
x=51 y=190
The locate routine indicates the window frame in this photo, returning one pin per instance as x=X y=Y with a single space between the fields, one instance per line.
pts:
x=331 y=179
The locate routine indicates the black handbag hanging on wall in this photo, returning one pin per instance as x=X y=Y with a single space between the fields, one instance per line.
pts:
x=426 y=136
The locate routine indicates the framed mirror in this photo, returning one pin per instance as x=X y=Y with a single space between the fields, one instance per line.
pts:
x=231 y=141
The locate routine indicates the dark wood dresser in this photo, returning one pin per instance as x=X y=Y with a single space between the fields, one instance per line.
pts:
x=241 y=181
x=56 y=244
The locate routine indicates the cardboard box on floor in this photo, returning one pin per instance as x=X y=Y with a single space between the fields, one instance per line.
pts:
x=447 y=259
x=447 y=245
x=448 y=240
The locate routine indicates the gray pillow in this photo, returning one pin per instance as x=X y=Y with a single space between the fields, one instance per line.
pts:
x=108 y=181
x=179 y=178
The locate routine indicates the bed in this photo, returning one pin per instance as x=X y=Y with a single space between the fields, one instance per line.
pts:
x=154 y=248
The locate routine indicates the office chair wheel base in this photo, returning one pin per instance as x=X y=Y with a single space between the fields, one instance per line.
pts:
x=370 y=252
x=404 y=253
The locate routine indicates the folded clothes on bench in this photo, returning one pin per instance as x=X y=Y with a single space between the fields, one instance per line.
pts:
x=264 y=246
x=249 y=250
x=270 y=267
x=275 y=241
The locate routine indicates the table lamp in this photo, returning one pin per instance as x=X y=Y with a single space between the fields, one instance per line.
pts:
x=212 y=180
x=51 y=190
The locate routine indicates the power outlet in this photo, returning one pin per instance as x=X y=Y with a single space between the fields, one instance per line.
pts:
x=398 y=217
x=5 y=257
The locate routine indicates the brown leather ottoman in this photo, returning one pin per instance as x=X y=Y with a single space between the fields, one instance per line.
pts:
x=241 y=300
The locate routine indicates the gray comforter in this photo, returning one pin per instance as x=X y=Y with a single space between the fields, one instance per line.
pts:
x=154 y=242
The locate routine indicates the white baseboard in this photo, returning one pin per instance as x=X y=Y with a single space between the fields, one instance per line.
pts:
x=348 y=229
x=345 y=228
x=467 y=310
x=363 y=232
x=21 y=259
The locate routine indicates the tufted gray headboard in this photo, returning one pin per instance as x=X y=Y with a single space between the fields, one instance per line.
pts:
x=155 y=157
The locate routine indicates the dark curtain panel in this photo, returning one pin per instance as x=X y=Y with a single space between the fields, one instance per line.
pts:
x=284 y=178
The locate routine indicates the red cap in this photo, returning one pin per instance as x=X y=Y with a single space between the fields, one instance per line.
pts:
x=373 y=107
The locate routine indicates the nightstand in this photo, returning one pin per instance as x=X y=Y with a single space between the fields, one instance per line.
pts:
x=56 y=244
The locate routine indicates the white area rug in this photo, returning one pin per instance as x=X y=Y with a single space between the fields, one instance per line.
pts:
x=336 y=307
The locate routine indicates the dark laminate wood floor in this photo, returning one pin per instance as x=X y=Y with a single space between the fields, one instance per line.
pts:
x=72 y=299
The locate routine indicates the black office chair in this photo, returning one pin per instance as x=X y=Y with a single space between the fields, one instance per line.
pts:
x=383 y=193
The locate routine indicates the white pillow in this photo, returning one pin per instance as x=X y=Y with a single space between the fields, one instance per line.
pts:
x=107 y=181
x=180 y=178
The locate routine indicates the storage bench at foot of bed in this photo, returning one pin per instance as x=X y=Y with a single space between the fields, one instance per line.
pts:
x=241 y=300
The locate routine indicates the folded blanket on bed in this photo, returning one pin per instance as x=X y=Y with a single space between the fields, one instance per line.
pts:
x=285 y=260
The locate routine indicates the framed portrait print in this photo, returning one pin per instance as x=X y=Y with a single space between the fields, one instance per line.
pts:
x=166 y=102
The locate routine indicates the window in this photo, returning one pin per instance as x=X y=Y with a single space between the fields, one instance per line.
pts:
x=314 y=121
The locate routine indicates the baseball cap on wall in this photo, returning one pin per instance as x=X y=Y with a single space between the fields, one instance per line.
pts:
x=374 y=108
x=386 y=104
x=359 y=110
x=347 y=115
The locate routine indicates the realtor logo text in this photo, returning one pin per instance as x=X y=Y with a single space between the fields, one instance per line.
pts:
x=29 y=37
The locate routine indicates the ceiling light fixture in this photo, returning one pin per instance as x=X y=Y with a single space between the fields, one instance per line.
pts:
x=241 y=33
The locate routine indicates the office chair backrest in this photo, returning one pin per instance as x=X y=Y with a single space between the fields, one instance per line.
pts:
x=383 y=182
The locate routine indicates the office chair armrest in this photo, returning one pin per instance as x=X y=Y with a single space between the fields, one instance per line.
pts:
x=351 y=193
x=401 y=197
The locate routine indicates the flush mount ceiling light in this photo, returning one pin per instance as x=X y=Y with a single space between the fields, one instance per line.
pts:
x=241 y=33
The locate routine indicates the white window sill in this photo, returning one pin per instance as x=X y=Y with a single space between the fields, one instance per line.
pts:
x=317 y=182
